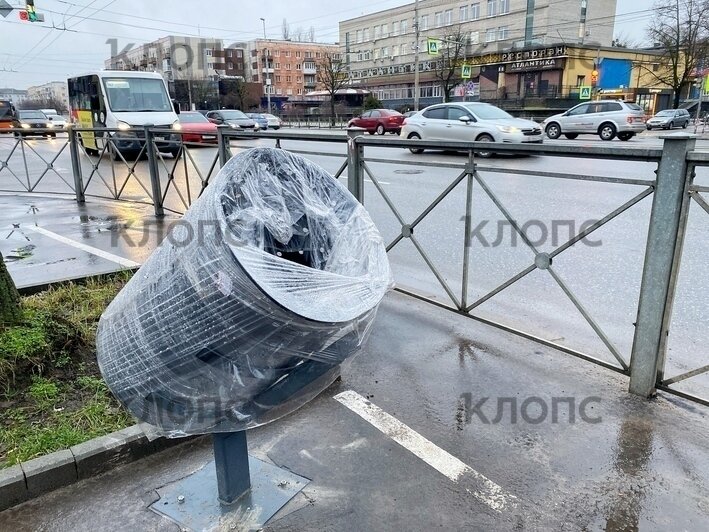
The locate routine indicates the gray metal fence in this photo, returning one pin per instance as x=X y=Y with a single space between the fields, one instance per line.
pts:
x=172 y=182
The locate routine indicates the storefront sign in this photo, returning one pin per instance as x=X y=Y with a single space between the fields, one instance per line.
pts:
x=534 y=64
x=541 y=53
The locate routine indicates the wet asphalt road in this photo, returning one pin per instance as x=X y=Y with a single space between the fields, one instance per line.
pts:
x=605 y=278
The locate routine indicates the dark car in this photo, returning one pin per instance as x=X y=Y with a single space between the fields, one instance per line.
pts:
x=232 y=117
x=379 y=121
x=260 y=119
x=32 y=123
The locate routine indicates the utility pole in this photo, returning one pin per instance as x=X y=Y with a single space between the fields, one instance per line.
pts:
x=416 y=56
x=268 y=70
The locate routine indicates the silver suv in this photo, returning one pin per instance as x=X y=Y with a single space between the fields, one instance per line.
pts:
x=605 y=118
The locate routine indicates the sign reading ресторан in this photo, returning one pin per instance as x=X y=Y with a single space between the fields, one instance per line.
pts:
x=540 y=53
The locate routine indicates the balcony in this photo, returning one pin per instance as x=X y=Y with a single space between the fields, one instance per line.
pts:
x=310 y=70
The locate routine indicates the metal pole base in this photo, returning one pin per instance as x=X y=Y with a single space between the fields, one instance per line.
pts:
x=232 y=498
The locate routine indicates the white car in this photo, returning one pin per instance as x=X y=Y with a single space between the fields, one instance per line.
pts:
x=470 y=121
x=58 y=121
x=273 y=121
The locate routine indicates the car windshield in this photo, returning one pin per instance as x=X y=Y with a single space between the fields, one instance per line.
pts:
x=270 y=116
x=665 y=113
x=634 y=106
x=33 y=114
x=233 y=115
x=192 y=118
x=5 y=110
x=136 y=95
x=488 y=112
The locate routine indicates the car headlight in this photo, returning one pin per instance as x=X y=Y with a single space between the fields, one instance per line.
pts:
x=234 y=126
x=508 y=129
x=177 y=126
x=25 y=126
x=50 y=125
x=256 y=127
x=123 y=126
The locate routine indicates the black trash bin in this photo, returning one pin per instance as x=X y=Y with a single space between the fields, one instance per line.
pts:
x=266 y=286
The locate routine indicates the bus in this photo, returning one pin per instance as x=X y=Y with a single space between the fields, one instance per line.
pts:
x=123 y=100
x=7 y=114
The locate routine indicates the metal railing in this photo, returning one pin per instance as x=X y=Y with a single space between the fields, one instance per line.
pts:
x=171 y=183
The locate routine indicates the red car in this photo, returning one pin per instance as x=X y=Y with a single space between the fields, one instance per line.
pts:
x=379 y=121
x=196 y=128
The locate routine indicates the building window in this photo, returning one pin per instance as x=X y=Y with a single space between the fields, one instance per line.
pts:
x=463 y=16
x=208 y=52
x=298 y=79
x=228 y=53
x=475 y=11
x=490 y=35
x=424 y=23
x=395 y=28
x=438 y=19
x=254 y=66
x=297 y=66
x=289 y=92
x=230 y=66
x=377 y=32
x=385 y=51
x=503 y=32
x=288 y=66
x=448 y=17
x=289 y=79
x=474 y=37
x=277 y=65
x=491 y=8
x=376 y=54
x=317 y=55
x=385 y=30
x=279 y=91
x=580 y=80
x=365 y=35
x=359 y=36
x=395 y=50
x=239 y=53
x=300 y=92
x=504 y=7
x=278 y=79
x=286 y=53
x=297 y=53
x=404 y=28
x=255 y=78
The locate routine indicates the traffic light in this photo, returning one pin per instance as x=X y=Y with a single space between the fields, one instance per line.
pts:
x=23 y=16
x=31 y=13
x=594 y=74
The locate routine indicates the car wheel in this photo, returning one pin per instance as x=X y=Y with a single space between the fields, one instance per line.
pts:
x=553 y=131
x=380 y=130
x=626 y=135
x=607 y=131
x=415 y=136
x=671 y=126
x=684 y=126
x=571 y=136
x=485 y=138
x=649 y=128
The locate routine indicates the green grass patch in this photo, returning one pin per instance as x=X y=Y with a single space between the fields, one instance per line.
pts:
x=51 y=392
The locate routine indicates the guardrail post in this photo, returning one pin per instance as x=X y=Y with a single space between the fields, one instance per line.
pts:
x=662 y=255
x=224 y=151
x=154 y=170
x=76 y=165
x=355 y=174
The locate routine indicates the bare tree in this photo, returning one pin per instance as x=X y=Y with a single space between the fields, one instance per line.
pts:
x=311 y=34
x=448 y=66
x=680 y=29
x=285 y=30
x=332 y=75
x=9 y=298
x=623 y=40
x=298 y=34
x=47 y=103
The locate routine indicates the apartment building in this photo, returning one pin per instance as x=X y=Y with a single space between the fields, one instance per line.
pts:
x=176 y=58
x=56 y=90
x=380 y=47
x=290 y=66
x=16 y=96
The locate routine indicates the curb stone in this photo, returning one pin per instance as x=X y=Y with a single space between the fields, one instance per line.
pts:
x=28 y=480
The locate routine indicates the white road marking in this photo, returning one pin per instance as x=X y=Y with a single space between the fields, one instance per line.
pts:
x=380 y=182
x=123 y=262
x=490 y=493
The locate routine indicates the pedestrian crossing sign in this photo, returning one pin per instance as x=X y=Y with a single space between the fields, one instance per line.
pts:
x=467 y=72
x=585 y=92
x=433 y=45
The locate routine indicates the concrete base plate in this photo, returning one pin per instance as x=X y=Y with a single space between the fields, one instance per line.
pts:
x=192 y=502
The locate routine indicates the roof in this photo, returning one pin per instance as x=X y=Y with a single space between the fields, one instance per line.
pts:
x=339 y=92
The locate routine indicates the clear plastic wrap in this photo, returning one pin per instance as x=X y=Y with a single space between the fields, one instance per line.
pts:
x=269 y=283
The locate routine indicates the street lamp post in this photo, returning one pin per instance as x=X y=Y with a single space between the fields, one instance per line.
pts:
x=268 y=72
x=417 y=33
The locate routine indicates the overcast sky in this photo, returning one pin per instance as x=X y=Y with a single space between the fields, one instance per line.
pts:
x=34 y=53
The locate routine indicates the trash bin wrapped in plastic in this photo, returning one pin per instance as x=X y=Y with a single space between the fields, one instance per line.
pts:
x=266 y=286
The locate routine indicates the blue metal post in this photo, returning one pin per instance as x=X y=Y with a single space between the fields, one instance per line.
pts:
x=231 y=459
